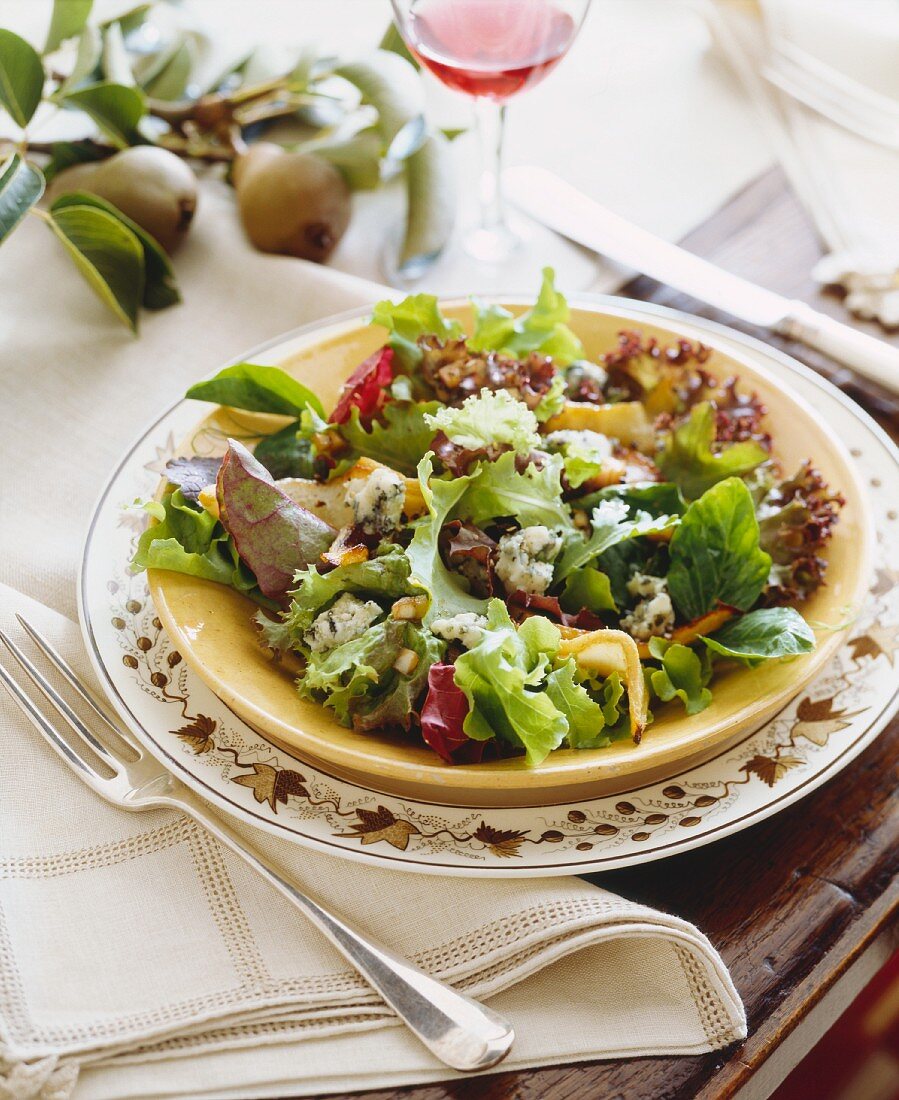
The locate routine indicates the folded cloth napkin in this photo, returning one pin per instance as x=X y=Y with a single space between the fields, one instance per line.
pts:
x=137 y=957
x=144 y=956
x=847 y=182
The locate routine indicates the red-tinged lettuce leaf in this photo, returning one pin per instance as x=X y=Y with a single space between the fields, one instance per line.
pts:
x=273 y=535
x=524 y=604
x=470 y=551
x=442 y=715
x=192 y=475
x=366 y=388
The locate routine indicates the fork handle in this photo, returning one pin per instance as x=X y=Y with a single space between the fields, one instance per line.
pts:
x=456 y=1029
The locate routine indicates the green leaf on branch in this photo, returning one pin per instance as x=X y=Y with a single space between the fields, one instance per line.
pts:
x=171 y=81
x=68 y=19
x=431 y=202
x=115 y=108
x=108 y=255
x=21 y=185
x=160 y=287
x=357 y=158
x=115 y=61
x=63 y=154
x=21 y=77
x=90 y=47
x=390 y=85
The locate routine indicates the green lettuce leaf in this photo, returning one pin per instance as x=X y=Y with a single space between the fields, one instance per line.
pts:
x=397 y=695
x=384 y=577
x=189 y=540
x=257 y=389
x=448 y=596
x=584 y=715
x=766 y=634
x=688 y=459
x=542 y=329
x=611 y=525
x=715 y=553
x=417 y=315
x=488 y=419
x=656 y=498
x=500 y=678
x=588 y=588
x=532 y=497
x=553 y=401
x=286 y=453
x=682 y=675
x=401 y=441
x=340 y=677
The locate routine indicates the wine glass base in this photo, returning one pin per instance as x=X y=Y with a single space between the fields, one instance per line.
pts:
x=462 y=268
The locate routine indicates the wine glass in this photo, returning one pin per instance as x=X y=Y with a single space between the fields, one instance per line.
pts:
x=491 y=50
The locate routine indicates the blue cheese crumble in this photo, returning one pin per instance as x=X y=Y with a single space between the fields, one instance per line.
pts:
x=377 y=501
x=524 y=562
x=653 y=615
x=467 y=628
x=347 y=618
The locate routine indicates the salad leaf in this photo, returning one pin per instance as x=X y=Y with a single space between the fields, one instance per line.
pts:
x=688 y=459
x=393 y=701
x=366 y=388
x=610 y=526
x=542 y=329
x=500 y=678
x=400 y=441
x=588 y=588
x=189 y=540
x=490 y=418
x=383 y=577
x=533 y=496
x=417 y=315
x=553 y=401
x=657 y=498
x=765 y=634
x=682 y=675
x=286 y=453
x=715 y=553
x=257 y=389
x=274 y=535
x=341 y=677
x=448 y=597
x=192 y=475
x=584 y=715
x=443 y=717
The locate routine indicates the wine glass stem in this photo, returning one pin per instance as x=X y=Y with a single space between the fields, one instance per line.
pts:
x=491 y=123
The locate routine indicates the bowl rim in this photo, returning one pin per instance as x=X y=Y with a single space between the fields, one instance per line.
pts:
x=561 y=774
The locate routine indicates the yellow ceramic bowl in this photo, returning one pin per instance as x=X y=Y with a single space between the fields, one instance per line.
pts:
x=212 y=626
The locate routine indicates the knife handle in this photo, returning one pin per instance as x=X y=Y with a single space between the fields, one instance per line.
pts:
x=866 y=355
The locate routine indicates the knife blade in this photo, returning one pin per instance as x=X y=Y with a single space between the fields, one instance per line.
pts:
x=557 y=204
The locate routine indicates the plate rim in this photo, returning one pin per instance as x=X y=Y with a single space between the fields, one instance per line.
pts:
x=396 y=860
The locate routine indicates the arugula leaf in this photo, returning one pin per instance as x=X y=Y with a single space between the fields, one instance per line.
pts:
x=448 y=597
x=542 y=329
x=532 y=497
x=766 y=634
x=588 y=588
x=258 y=389
x=383 y=577
x=490 y=418
x=190 y=540
x=497 y=677
x=688 y=459
x=682 y=675
x=715 y=553
x=610 y=526
x=401 y=441
x=285 y=453
x=417 y=315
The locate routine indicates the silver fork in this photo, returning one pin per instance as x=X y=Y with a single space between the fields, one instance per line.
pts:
x=458 y=1030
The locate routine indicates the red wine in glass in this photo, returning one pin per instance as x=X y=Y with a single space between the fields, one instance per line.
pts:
x=492 y=48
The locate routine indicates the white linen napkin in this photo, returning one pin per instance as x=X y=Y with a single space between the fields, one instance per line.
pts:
x=137 y=957
x=847 y=183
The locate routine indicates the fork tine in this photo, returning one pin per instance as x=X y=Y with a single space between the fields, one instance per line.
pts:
x=36 y=716
x=60 y=704
x=71 y=677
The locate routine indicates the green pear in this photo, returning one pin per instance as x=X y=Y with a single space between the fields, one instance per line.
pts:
x=150 y=185
x=295 y=204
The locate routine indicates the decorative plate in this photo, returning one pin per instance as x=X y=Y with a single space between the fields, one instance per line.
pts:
x=228 y=762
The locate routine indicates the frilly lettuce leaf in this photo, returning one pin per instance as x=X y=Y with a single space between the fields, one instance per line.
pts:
x=766 y=634
x=417 y=315
x=396 y=698
x=715 y=553
x=401 y=441
x=689 y=461
x=488 y=419
x=532 y=497
x=448 y=596
x=611 y=525
x=500 y=678
x=592 y=724
x=187 y=539
x=543 y=328
x=682 y=675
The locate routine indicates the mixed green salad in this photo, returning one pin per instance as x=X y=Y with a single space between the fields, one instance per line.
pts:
x=501 y=546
